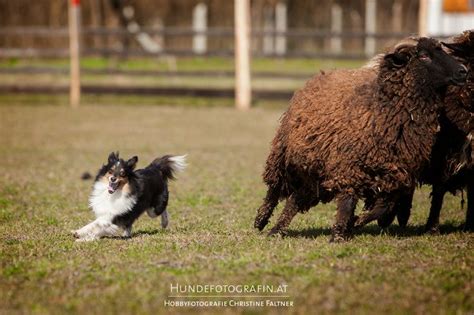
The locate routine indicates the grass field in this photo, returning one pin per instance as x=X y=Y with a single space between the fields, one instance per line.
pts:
x=210 y=240
x=305 y=67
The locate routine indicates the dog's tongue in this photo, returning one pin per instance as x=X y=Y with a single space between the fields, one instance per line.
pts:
x=111 y=189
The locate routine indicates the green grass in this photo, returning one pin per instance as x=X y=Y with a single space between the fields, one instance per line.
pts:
x=306 y=67
x=189 y=64
x=111 y=100
x=210 y=240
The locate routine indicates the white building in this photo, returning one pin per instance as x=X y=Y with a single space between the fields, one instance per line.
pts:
x=448 y=17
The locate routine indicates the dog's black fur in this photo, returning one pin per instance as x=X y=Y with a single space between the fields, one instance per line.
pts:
x=121 y=194
x=149 y=185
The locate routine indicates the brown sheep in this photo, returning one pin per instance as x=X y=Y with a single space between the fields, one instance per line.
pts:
x=451 y=167
x=352 y=134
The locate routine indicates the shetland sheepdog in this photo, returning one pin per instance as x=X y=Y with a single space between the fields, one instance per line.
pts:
x=121 y=194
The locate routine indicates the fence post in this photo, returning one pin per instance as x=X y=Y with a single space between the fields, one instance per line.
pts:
x=422 y=18
x=242 y=54
x=370 y=26
x=200 y=25
x=336 y=27
x=280 y=26
x=268 y=26
x=397 y=16
x=74 y=52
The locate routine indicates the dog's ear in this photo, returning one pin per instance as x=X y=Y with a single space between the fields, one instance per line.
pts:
x=113 y=157
x=132 y=162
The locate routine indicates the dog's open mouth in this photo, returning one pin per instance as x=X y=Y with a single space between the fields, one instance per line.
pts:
x=112 y=187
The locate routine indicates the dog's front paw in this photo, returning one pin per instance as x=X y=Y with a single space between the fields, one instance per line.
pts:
x=127 y=232
x=76 y=233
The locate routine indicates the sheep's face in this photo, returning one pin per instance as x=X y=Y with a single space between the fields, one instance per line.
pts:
x=431 y=63
x=440 y=68
x=463 y=48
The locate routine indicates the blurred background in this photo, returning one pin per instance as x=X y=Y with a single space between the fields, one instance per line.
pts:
x=185 y=48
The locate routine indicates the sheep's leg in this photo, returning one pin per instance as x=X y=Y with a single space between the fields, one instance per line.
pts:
x=266 y=209
x=437 y=196
x=469 y=225
x=381 y=205
x=401 y=210
x=404 y=208
x=342 y=229
x=289 y=212
x=387 y=217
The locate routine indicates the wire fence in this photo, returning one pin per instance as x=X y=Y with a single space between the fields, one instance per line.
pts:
x=129 y=51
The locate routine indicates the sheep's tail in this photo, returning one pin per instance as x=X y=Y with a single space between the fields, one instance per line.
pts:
x=170 y=165
x=274 y=174
x=274 y=179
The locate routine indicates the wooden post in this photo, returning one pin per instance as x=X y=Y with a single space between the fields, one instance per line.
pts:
x=200 y=25
x=280 y=26
x=74 y=52
x=336 y=27
x=422 y=18
x=242 y=54
x=268 y=26
x=370 y=26
x=397 y=16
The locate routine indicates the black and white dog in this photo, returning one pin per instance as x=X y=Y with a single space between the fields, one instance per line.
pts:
x=121 y=194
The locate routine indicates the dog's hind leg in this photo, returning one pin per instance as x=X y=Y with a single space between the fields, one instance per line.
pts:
x=160 y=205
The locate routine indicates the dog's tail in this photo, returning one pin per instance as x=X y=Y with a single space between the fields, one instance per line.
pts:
x=170 y=165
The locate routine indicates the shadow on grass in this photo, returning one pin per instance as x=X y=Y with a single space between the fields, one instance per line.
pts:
x=134 y=234
x=408 y=231
x=150 y=232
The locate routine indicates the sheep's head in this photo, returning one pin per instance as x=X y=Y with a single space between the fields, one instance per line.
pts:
x=463 y=47
x=428 y=62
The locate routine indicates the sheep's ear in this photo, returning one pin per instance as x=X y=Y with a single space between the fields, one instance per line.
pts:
x=132 y=162
x=113 y=157
x=397 y=59
x=458 y=49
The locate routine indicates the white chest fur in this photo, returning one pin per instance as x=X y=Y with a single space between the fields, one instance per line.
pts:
x=110 y=205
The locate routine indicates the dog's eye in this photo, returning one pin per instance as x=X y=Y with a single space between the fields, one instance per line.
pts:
x=110 y=172
x=122 y=173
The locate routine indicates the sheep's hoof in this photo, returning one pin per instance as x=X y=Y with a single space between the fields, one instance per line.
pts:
x=338 y=239
x=358 y=221
x=402 y=220
x=339 y=234
x=276 y=232
x=433 y=230
x=75 y=234
x=353 y=221
x=468 y=228
x=260 y=223
x=402 y=224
